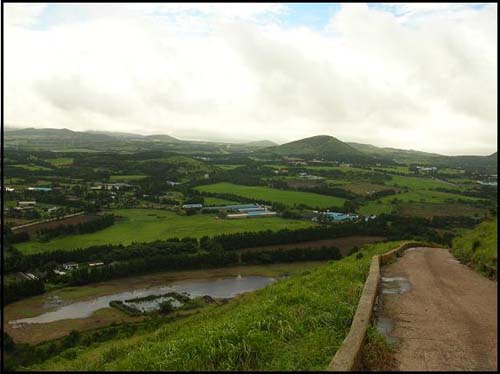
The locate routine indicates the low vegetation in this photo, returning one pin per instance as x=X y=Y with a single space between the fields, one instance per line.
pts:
x=479 y=247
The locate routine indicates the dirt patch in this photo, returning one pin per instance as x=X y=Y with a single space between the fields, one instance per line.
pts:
x=447 y=320
x=343 y=244
x=33 y=229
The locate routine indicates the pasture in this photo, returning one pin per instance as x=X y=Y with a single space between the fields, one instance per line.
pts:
x=427 y=210
x=419 y=183
x=147 y=225
x=289 y=198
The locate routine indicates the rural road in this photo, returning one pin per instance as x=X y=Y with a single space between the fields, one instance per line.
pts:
x=446 y=319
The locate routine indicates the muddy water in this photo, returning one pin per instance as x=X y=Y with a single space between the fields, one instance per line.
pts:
x=214 y=287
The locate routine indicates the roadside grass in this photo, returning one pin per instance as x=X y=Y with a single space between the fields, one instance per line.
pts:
x=147 y=225
x=289 y=198
x=479 y=247
x=295 y=324
x=378 y=353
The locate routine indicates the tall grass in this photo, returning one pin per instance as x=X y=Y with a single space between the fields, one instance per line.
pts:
x=479 y=247
x=295 y=324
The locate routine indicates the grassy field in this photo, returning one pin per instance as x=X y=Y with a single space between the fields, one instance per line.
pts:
x=426 y=203
x=61 y=161
x=364 y=188
x=146 y=225
x=215 y=201
x=289 y=198
x=122 y=178
x=479 y=247
x=428 y=196
x=419 y=183
x=32 y=167
x=375 y=207
x=295 y=324
x=34 y=306
x=427 y=210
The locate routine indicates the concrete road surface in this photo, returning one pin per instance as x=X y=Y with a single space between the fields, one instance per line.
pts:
x=443 y=315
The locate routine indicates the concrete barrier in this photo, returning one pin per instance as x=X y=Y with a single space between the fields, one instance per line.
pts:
x=348 y=356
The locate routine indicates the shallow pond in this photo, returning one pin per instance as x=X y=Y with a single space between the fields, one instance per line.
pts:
x=214 y=287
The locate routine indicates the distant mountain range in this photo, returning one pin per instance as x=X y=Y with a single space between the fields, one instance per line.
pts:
x=320 y=147
x=95 y=138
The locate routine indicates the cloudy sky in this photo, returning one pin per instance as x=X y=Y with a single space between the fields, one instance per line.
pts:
x=412 y=76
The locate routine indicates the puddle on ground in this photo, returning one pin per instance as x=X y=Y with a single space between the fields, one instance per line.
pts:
x=395 y=285
x=452 y=261
x=384 y=327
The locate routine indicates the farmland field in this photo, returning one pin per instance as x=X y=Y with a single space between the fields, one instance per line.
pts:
x=215 y=201
x=60 y=161
x=364 y=188
x=419 y=183
x=146 y=225
x=289 y=198
x=427 y=210
x=428 y=196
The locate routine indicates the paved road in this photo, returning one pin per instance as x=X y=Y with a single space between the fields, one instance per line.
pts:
x=448 y=318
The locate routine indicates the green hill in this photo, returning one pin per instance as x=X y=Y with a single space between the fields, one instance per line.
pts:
x=479 y=247
x=408 y=156
x=321 y=146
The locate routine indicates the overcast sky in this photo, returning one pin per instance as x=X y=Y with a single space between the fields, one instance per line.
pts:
x=412 y=76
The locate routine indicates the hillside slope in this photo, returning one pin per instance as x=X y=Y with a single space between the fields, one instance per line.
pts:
x=321 y=146
x=479 y=247
x=295 y=324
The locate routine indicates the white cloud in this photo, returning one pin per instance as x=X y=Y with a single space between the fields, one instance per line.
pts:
x=204 y=70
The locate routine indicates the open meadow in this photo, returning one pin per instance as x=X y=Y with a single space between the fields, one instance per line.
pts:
x=147 y=225
x=289 y=198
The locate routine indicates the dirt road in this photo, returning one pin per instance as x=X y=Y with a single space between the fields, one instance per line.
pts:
x=446 y=319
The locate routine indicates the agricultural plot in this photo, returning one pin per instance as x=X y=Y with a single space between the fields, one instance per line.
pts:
x=364 y=189
x=376 y=208
x=289 y=198
x=429 y=196
x=147 y=225
x=419 y=183
x=215 y=201
x=427 y=210
x=32 y=167
x=61 y=161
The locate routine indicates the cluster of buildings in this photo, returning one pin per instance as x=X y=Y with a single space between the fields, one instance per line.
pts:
x=337 y=216
x=244 y=211
x=309 y=176
x=70 y=266
x=111 y=186
x=426 y=168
